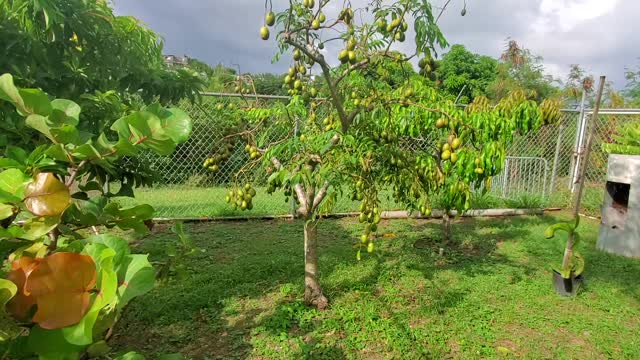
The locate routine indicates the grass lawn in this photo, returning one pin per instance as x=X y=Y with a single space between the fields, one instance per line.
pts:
x=489 y=296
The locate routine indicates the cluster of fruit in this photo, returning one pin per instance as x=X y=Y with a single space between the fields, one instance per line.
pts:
x=346 y=15
x=384 y=137
x=241 y=86
x=428 y=67
x=371 y=217
x=348 y=54
x=221 y=155
x=397 y=27
x=449 y=148
x=221 y=106
x=252 y=151
x=269 y=20
x=241 y=198
x=309 y=3
x=294 y=80
x=330 y=123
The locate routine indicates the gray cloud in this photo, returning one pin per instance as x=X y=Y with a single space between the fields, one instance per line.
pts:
x=600 y=35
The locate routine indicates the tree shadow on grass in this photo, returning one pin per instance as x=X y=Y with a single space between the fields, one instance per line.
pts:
x=246 y=270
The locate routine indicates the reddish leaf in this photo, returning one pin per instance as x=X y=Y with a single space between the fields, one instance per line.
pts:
x=60 y=284
x=47 y=196
x=21 y=304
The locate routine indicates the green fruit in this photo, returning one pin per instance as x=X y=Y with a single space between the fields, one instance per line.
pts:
x=395 y=23
x=359 y=184
x=376 y=219
x=247 y=147
x=356 y=102
x=440 y=123
x=370 y=247
x=445 y=155
x=382 y=25
x=297 y=84
x=220 y=106
x=252 y=192
x=427 y=213
x=321 y=46
x=247 y=186
x=264 y=33
x=422 y=63
x=313 y=92
x=227 y=199
x=315 y=24
x=343 y=56
x=362 y=218
x=243 y=205
x=374 y=227
x=297 y=55
x=322 y=17
x=454 y=158
x=240 y=193
x=400 y=36
x=364 y=238
x=446 y=147
x=270 y=18
x=456 y=143
x=311 y=3
x=352 y=56
x=405 y=26
x=479 y=171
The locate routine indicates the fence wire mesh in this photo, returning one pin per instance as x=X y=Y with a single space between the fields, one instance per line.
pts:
x=539 y=165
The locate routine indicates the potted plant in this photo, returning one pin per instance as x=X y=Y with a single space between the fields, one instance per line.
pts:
x=568 y=278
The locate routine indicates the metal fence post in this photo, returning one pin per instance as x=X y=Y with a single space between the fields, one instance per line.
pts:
x=578 y=141
x=554 y=171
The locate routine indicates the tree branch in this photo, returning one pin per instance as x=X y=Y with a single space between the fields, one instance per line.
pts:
x=320 y=195
x=298 y=189
x=74 y=173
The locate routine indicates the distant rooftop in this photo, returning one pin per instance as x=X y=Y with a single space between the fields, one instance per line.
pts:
x=176 y=60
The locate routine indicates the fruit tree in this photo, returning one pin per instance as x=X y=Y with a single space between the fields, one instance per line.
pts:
x=360 y=130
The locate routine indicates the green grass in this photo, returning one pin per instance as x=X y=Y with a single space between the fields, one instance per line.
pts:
x=183 y=201
x=489 y=296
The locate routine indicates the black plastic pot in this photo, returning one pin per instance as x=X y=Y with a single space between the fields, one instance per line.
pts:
x=566 y=287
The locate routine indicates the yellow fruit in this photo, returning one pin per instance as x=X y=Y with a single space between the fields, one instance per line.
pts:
x=479 y=171
x=264 y=33
x=446 y=155
x=352 y=56
x=270 y=18
x=454 y=158
x=315 y=24
x=456 y=143
x=364 y=238
x=370 y=247
x=440 y=123
x=322 y=17
x=446 y=147
x=297 y=55
x=343 y=56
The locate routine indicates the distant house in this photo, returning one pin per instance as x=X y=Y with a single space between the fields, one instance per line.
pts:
x=175 y=60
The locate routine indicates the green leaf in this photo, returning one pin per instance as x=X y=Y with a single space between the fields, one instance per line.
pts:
x=37 y=227
x=66 y=134
x=137 y=277
x=12 y=232
x=12 y=185
x=118 y=244
x=7 y=290
x=36 y=101
x=51 y=344
x=57 y=152
x=107 y=282
x=130 y=356
x=6 y=163
x=65 y=112
x=5 y=211
x=39 y=123
x=174 y=122
x=9 y=92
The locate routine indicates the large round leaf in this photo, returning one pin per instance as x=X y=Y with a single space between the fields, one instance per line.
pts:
x=61 y=285
x=47 y=196
x=20 y=305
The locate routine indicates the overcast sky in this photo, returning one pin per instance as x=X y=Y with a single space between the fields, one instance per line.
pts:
x=601 y=35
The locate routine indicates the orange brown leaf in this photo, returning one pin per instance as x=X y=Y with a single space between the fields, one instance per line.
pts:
x=20 y=305
x=61 y=285
x=47 y=196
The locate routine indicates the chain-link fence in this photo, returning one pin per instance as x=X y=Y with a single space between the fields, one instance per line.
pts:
x=540 y=164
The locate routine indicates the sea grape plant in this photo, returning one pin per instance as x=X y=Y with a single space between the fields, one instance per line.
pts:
x=67 y=283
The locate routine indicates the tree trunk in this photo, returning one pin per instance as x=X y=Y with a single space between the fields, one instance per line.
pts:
x=312 y=290
x=446 y=228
